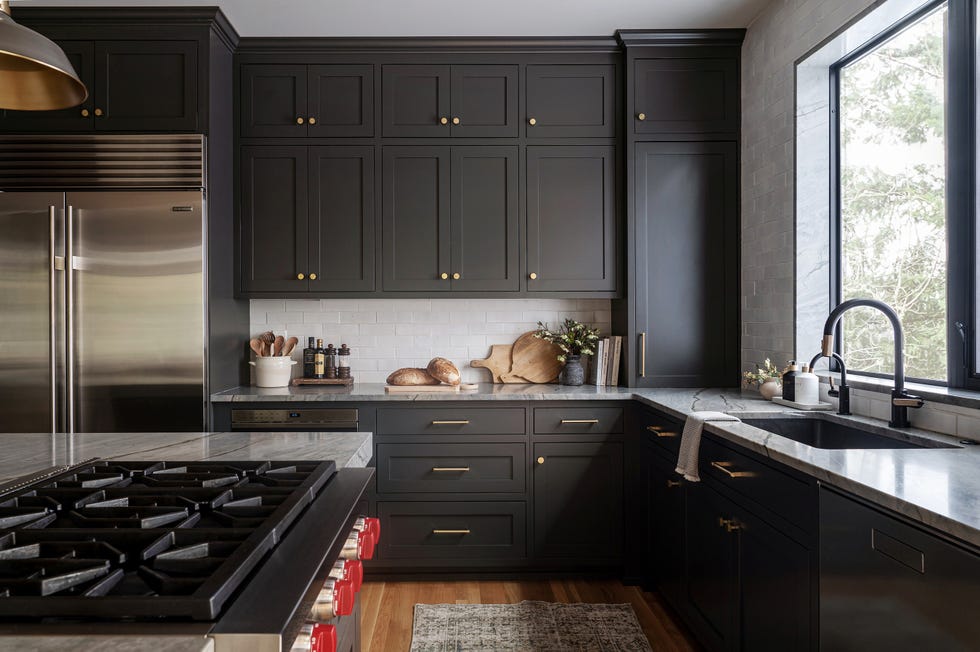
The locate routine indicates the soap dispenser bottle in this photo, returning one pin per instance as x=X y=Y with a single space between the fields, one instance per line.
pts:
x=807 y=387
x=789 y=381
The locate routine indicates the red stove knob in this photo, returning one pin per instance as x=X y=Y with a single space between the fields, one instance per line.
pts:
x=349 y=569
x=323 y=638
x=336 y=598
x=359 y=545
x=369 y=524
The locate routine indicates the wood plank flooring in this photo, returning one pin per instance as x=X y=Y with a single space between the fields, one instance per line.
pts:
x=387 y=607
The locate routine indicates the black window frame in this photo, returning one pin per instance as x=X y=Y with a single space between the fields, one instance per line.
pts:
x=961 y=183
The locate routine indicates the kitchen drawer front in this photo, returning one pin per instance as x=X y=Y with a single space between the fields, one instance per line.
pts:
x=451 y=421
x=451 y=468
x=578 y=421
x=783 y=494
x=660 y=429
x=444 y=530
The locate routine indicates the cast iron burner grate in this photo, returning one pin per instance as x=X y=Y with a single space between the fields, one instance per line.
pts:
x=145 y=540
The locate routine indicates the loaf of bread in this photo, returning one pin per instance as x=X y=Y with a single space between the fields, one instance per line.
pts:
x=411 y=376
x=444 y=371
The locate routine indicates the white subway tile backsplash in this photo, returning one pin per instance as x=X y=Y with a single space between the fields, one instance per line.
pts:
x=386 y=334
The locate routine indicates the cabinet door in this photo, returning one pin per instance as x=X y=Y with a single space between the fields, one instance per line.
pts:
x=341 y=242
x=81 y=54
x=571 y=219
x=571 y=101
x=415 y=101
x=274 y=218
x=274 y=101
x=415 y=224
x=578 y=501
x=777 y=589
x=484 y=101
x=146 y=86
x=341 y=100
x=485 y=241
x=666 y=528
x=711 y=567
x=686 y=96
x=686 y=264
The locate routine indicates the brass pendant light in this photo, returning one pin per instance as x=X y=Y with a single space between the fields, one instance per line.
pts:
x=35 y=74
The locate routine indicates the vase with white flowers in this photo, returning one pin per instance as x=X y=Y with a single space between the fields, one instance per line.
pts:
x=573 y=339
x=766 y=377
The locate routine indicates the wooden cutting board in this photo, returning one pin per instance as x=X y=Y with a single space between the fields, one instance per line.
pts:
x=417 y=389
x=498 y=362
x=533 y=360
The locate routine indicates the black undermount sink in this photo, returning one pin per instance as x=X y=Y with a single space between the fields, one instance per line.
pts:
x=822 y=433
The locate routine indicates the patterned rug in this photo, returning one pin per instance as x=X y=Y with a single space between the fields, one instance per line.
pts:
x=529 y=626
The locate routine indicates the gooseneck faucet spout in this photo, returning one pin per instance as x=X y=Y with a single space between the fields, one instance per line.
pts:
x=901 y=400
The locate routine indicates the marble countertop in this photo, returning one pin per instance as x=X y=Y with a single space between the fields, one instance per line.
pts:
x=939 y=487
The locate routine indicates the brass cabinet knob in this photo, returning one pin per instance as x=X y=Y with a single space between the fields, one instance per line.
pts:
x=641 y=117
x=532 y=276
x=456 y=276
x=455 y=121
x=98 y=112
x=532 y=122
x=312 y=120
x=444 y=276
x=312 y=277
x=540 y=460
x=300 y=277
x=84 y=113
x=444 y=121
x=299 y=121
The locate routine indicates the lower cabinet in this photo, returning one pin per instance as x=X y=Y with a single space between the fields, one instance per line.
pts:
x=666 y=532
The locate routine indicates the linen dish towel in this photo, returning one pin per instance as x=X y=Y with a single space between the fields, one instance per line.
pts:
x=687 y=459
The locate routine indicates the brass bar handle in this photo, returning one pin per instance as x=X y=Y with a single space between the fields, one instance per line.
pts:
x=70 y=319
x=673 y=483
x=724 y=468
x=660 y=432
x=52 y=318
x=461 y=422
x=643 y=355
x=565 y=421
x=450 y=531
x=450 y=469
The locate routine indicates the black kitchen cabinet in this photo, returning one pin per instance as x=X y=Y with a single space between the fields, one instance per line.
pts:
x=296 y=100
x=686 y=264
x=441 y=101
x=571 y=219
x=571 y=101
x=307 y=219
x=578 y=501
x=665 y=531
x=678 y=96
x=450 y=219
x=137 y=85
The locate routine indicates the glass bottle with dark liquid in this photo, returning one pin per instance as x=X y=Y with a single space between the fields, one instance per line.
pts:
x=309 y=355
x=319 y=360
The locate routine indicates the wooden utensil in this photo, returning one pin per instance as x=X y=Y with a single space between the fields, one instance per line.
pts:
x=417 y=389
x=268 y=337
x=277 y=345
x=533 y=360
x=290 y=344
x=498 y=362
x=256 y=345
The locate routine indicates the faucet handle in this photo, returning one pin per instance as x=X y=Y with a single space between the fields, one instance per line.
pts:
x=908 y=400
x=833 y=391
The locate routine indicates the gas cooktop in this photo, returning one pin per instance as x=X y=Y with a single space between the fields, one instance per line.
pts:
x=145 y=540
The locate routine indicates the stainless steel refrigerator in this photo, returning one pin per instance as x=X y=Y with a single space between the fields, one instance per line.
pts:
x=103 y=302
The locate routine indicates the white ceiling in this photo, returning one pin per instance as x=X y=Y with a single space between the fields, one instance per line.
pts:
x=458 y=17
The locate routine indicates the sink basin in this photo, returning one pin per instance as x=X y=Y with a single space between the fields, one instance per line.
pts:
x=823 y=433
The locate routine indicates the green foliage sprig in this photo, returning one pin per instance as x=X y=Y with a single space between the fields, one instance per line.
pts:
x=766 y=371
x=572 y=338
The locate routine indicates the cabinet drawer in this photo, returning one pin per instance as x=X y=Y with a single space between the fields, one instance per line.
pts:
x=660 y=429
x=441 y=530
x=781 y=493
x=451 y=468
x=451 y=421
x=581 y=421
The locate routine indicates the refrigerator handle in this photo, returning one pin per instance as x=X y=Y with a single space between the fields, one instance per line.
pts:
x=70 y=317
x=52 y=317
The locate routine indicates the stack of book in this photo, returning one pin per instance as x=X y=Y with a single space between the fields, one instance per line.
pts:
x=605 y=362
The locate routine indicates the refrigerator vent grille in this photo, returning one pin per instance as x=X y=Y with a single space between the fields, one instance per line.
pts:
x=98 y=161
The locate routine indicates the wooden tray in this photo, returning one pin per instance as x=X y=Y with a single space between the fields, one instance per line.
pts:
x=322 y=381
x=417 y=389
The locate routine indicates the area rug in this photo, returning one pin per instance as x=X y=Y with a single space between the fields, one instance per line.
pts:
x=529 y=626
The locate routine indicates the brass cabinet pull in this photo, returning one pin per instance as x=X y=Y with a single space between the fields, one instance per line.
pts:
x=444 y=120
x=456 y=276
x=641 y=116
x=299 y=121
x=444 y=276
x=673 y=483
x=540 y=460
x=450 y=469
x=460 y=422
x=98 y=112
x=564 y=421
x=660 y=432
x=300 y=277
x=730 y=524
x=312 y=120
x=643 y=355
x=450 y=531
x=724 y=467
x=532 y=122
x=84 y=113
x=312 y=277
x=532 y=276
x=455 y=121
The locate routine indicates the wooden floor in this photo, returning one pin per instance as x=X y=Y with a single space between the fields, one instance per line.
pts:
x=386 y=624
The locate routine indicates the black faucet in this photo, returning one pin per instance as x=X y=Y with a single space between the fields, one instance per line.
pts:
x=901 y=400
x=842 y=392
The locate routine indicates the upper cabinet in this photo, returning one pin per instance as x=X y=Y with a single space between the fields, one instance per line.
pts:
x=293 y=101
x=138 y=85
x=674 y=95
x=441 y=101
x=571 y=101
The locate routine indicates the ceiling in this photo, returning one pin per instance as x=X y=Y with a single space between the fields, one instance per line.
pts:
x=459 y=17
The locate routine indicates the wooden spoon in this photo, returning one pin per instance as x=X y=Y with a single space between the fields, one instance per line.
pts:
x=268 y=337
x=290 y=344
x=277 y=345
x=256 y=345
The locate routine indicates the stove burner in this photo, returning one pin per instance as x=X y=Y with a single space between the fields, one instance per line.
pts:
x=145 y=539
